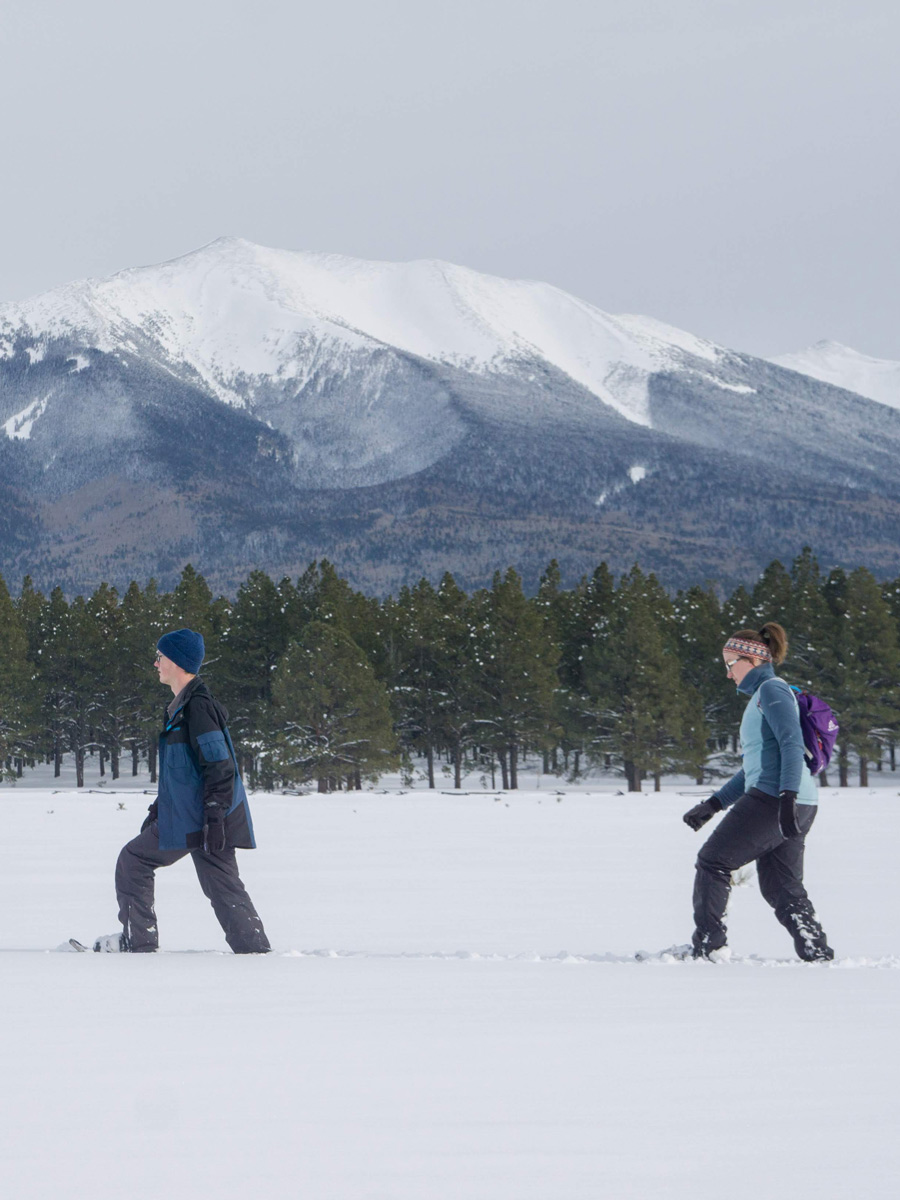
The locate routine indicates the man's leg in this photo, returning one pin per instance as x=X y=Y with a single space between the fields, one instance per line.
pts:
x=135 y=880
x=780 y=874
x=748 y=829
x=221 y=883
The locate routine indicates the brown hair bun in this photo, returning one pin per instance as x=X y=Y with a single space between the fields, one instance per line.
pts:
x=775 y=638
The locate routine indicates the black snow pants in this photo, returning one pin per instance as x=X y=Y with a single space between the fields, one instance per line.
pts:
x=748 y=831
x=219 y=879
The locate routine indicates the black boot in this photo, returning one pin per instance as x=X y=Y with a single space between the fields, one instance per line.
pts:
x=809 y=937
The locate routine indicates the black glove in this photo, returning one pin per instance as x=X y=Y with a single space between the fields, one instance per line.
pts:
x=702 y=812
x=787 y=815
x=152 y=814
x=214 y=831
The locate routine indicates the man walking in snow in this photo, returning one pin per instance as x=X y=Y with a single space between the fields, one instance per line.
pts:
x=201 y=809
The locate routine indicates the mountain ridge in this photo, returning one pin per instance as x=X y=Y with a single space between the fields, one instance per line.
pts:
x=275 y=406
x=832 y=362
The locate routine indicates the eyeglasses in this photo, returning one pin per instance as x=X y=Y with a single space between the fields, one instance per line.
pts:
x=157 y=656
x=734 y=662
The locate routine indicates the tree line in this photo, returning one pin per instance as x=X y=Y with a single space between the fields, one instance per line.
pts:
x=329 y=686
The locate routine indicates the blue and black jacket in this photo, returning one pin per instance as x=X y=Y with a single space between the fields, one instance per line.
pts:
x=197 y=773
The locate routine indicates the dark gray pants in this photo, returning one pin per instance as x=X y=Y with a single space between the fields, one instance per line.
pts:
x=218 y=875
x=748 y=831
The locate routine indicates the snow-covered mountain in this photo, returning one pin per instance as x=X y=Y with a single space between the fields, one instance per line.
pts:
x=245 y=406
x=241 y=316
x=876 y=378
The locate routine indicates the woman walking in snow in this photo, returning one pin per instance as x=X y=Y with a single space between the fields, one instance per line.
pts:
x=771 y=804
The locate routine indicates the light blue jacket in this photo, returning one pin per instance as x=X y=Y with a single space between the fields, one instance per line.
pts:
x=771 y=742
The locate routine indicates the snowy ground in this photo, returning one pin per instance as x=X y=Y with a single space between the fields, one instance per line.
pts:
x=453 y=1011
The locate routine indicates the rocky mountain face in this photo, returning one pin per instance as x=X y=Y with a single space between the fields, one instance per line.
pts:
x=243 y=407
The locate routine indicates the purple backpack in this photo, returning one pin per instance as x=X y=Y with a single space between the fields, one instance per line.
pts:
x=820 y=729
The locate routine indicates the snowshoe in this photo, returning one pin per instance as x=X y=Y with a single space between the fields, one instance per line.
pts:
x=111 y=943
x=671 y=954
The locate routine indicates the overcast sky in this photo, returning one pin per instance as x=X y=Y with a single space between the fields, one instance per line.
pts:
x=728 y=166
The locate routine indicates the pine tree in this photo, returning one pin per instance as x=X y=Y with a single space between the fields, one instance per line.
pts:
x=515 y=672
x=332 y=719
x=589 y=619
x=701 y=634
x=867 y=659
x=641 y=712
x=323 y=595
x=891 y=593
x=424 y=659
x=251 y=647
x=18 y=690
x=589 y=615
x=553 y=602
x=560 y=611
x=113 y=701
x=458 y=730
x=426 y=636
x=771 y=596
x=71 y=658
x=143 y=622
x=738 y=612
x=48 y=626
x=31 y=607
x=809 y=625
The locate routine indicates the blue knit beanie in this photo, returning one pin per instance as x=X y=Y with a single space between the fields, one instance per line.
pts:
x=184 y=647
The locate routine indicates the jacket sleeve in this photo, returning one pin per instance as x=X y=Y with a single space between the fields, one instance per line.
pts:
x=213 y=755
x=777 y=704
x=732 y=790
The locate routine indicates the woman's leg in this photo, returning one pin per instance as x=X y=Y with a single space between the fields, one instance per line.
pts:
x=780 y=874
x=748 y=829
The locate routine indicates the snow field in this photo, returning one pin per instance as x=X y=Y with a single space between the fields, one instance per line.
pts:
x=453 y=1009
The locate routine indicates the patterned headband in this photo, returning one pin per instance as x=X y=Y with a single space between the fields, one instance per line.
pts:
x=757 y=649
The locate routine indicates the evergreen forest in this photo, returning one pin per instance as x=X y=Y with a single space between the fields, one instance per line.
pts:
x=327 y=687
